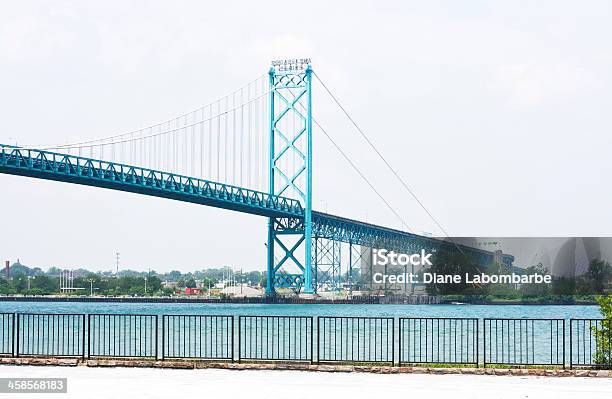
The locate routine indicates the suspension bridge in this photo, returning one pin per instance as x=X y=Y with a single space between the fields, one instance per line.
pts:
x=249 y=151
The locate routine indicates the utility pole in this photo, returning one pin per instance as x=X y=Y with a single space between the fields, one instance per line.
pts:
x=145 y=285
x=117 y=262
x=90 y=287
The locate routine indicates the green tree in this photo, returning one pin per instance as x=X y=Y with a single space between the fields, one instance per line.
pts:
x=45 y=284
x=598 y=275
x=6 y=288
x=535 y=290
x=20 y=283
x=154 y=284
x=453 y=263
x=603 y=335
x=174 y=275
x=564 y=286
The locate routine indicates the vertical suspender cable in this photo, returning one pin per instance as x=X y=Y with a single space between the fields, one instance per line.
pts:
x=247 y=133
x=218 y=117
x=234 y=138
x=202 y=146
x=209 y=141
x=225 y=138
x=193 y=144
x=257 y=134
x=241 y=130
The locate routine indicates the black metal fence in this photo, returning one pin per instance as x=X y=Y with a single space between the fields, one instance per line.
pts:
x=50 y=335
x=356 y=339
x=524 y=342
x=198 y=337
x=7 y=332
x=122 y=335
x=438 y=341
x=590 y=343
x=286 y=338
x=515 y=342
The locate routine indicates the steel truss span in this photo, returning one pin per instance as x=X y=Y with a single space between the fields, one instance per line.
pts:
x=288 y=213
x=92 y=172
x=373 y=236
x=225 y=141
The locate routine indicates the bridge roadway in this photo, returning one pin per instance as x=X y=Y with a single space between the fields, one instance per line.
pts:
x=42 y=164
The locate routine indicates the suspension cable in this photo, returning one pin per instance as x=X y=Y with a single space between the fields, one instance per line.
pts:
x=350 y=161
x=371 y=144
x=121 y=135
x=98 y=143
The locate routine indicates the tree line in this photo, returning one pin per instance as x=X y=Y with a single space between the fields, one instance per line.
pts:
x=34 y=281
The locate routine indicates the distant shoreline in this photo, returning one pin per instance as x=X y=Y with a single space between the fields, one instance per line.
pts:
x=279 y=300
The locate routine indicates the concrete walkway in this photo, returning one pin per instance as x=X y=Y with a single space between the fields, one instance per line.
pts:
x=132 y=383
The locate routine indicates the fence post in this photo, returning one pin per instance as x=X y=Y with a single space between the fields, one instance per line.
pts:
x=239 y=338
x=571 y=360
x=13 y=317
x=477 y=343
x=392 y=342
x=16 y=337
x=88 y=336
x=83 y=337
x=163 y=332
x=399 y=342
x=311 y=340
x=233 y=337
x=156 y=335
x=318 y=339
x=484 y=343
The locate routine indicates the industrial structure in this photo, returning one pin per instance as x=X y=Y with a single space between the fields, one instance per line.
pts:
x=250 y=152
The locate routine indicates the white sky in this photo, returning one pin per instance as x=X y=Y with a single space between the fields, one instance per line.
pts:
x=496 y=113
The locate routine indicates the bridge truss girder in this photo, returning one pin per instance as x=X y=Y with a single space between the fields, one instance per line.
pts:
x=327 y=264
x=49 y=165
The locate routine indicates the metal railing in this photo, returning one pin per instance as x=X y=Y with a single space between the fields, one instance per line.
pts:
x=197 y=337
x=438 y=341
x=282 y=338
x=590 y=343
x=122 y=335
x=7 y=333
x=356 y=339
x=524 y=342
x=50 y=335
x=351 y=340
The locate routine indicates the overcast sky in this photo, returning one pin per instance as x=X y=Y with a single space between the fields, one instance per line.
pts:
x=496 y=113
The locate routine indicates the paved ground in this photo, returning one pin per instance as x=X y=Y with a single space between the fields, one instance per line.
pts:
x=132 y=383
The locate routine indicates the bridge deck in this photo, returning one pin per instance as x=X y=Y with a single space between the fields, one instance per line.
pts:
x=374 y=236
x=73 y=169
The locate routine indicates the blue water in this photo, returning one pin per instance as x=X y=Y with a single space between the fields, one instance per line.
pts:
x=476 y=311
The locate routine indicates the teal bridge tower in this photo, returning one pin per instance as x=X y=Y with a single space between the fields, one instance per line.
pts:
x=291 y=138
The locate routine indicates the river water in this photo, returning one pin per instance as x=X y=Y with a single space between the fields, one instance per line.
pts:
x=475 y=311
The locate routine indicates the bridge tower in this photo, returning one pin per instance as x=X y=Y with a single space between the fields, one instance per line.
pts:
x=289 y=246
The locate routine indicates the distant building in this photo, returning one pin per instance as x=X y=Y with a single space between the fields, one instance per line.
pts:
x=192 y=291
